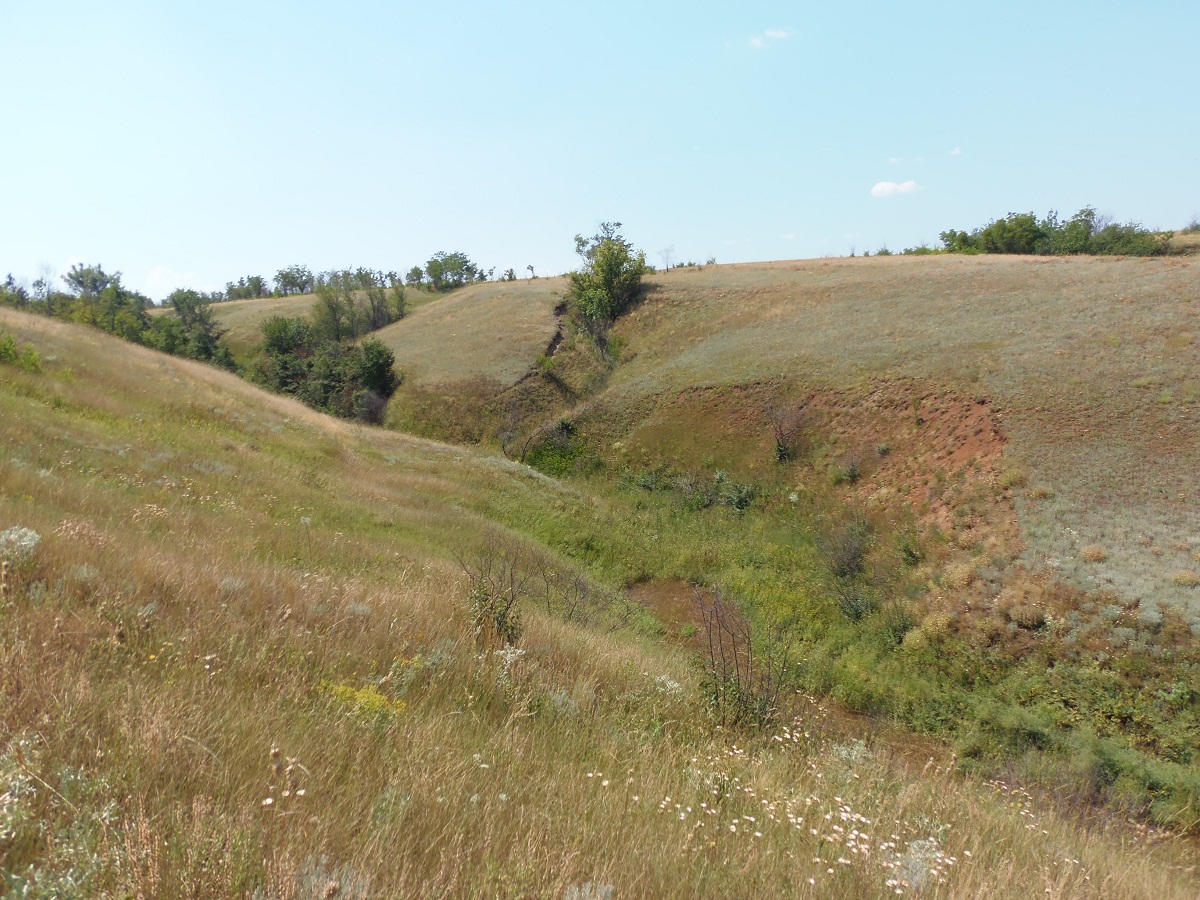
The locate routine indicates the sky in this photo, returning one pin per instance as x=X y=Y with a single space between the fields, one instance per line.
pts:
x=188 y=144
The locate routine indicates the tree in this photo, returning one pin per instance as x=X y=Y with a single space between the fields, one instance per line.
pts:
x=89 y=279
x=333 y=311
x=337 y=377
x=611 y=276
x=102 y=301
x=248 y=288
x=447 y=271
x=192 y=331
x=43 y=284
x=13 y=294
x=1085 y=232
x=293 y=280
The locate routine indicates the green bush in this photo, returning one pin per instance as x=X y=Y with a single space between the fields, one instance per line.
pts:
x=611 y=276
x=1084 y=233
x=24 y=356
x=353 y=381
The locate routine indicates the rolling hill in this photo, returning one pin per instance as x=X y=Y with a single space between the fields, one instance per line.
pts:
x=242 y=656
x=495 y=330
x=1089 y=369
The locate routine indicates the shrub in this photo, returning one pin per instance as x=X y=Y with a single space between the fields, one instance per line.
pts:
x=845 y=471
x=1011 y=478
x=844 y=549
x=737 y=496
x=743 y=671
x=1027 y=615
x=908 y=546
x=498 y=577
x=1094 y=554
x=958 y=577
x=24 y=356
x=17 y=544
x=855 y=602
x=611 y=276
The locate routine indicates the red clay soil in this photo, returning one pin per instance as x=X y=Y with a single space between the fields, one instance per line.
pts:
x=931 y=435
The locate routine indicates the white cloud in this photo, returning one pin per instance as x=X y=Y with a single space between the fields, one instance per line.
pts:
x=957 y=151
x=892 y=188
x=788 y=237
x=895 y=160
x=758 y=42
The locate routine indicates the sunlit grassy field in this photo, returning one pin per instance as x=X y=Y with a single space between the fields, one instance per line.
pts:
x=495 y=330
x=238 y=662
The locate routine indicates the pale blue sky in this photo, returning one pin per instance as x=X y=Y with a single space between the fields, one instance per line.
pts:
x=188 y=144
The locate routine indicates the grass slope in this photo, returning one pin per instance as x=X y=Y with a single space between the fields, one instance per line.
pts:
x=495 y=330
x=1092 y=366
x=238 y=664
x=242 y=319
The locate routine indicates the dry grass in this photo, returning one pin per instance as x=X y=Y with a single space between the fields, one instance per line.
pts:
x=236 y=601
x=1089 y=362
x=495 y=331
x=243 y=319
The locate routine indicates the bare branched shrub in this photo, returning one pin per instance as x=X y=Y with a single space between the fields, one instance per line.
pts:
x=513 y=443
x=786 y=420
x=743 y=672
x=498 y=576
x=570 y=595
x=844 y=548
x=844 y=551
x=505 y=570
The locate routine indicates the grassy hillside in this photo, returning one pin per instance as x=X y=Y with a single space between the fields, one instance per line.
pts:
x=1087 y=368
x=239 y=662
x=242 y=319
x=1091 y=367
x=495 y=331
x=1016 y=438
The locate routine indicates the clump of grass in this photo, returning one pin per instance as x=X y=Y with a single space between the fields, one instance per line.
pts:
x=1093 y=553
x=958 y=576
x=1187 y=578
x=1011 y=478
